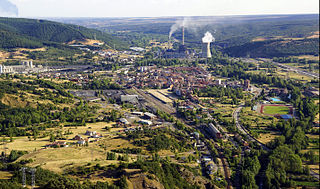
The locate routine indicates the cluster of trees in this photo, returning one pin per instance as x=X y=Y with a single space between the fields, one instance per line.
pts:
x=159 y=140
x=237 y=71
x=305 y=106
x=13 y=121
x=294 y=60
x=219 y=91
x=101 y=84
x=128 y=150
x=168 y=173
x=282 y=161
x=250 y=168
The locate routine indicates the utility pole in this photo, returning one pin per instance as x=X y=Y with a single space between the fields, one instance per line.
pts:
x=4 y=154
x=23 y=169
x=33 y=177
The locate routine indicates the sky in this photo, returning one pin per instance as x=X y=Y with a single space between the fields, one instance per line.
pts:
x=154 y=8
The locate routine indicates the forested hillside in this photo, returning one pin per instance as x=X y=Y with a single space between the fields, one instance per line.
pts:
x=31 y=33
x=276 y=48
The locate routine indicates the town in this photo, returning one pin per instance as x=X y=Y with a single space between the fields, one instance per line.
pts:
x=177 y=111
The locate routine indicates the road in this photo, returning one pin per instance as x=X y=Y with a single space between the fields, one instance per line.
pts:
x=292 y=68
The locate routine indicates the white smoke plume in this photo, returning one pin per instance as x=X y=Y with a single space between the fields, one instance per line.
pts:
x=192 y=25
x=177 y=25
x=208 y=38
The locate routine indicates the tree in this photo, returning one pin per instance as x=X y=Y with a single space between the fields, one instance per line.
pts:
x=281 y=161
x=123 y=182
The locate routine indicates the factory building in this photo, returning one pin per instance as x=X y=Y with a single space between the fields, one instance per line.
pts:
x=181 y=52
x=214 y=131
x=24 y=67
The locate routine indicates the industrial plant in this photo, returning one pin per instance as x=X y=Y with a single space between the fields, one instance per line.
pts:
x=183 y=52
x=24 y=67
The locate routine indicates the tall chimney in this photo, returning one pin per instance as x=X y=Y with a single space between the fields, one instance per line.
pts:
x=182 y=35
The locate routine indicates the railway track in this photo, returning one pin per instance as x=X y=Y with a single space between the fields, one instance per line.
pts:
x=156 y=103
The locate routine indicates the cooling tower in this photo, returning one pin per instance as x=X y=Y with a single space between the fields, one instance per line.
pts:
x=206 y=52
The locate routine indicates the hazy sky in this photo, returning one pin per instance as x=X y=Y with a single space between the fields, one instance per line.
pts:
x=151 y=8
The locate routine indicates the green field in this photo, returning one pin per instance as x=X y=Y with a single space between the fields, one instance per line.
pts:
x=275 y=110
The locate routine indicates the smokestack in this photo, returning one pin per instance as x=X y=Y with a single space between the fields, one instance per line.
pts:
x=182 y=35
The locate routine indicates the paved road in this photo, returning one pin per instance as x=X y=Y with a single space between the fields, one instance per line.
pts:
x=292 y=68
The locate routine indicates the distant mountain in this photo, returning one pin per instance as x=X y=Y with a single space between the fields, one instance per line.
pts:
x=34 y=33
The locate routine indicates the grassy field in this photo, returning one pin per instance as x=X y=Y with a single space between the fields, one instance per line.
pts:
x=275 y=110
x=5 y=175
x=23 y=143
x=59 y=159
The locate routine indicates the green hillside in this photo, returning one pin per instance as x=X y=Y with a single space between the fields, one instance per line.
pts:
x=31 y=33
x=276 y=48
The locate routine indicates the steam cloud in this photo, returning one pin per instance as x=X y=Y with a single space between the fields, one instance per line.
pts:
x=208 y=38
x=194 y=25
x=187 y=23
x=7 y=8
x=177 y=25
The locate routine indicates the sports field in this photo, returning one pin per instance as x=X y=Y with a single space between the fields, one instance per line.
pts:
x=272 y=110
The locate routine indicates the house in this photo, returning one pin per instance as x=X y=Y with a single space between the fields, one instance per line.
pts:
x=77 y=137
x=98 y=135
x=124 y=121
x=90 y=133
x=137 y=113
x=81 y=142
x=148 y=115
x=145 y=122
x=58 y=144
